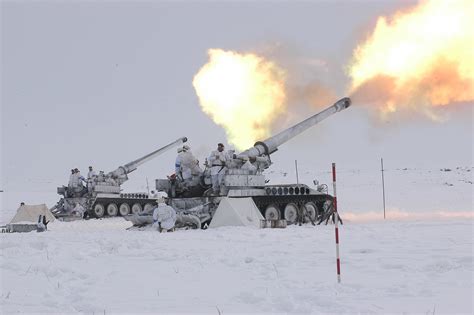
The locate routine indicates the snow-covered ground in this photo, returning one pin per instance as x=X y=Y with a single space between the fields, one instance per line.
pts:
x=419 y=260
x=99 y=267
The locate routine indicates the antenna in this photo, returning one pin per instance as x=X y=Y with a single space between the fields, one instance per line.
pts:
x=296 y=167
x=383 y=188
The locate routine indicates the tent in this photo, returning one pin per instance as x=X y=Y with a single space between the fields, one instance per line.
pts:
x=30 y=214
x=236 y=212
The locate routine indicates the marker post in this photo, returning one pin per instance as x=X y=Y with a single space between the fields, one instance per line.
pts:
x=336 y=225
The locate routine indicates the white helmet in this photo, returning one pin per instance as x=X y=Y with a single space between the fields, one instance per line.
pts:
x=162 y=196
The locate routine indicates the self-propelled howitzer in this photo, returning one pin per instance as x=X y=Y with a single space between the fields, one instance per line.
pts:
x=243 y=177
x=102 y=194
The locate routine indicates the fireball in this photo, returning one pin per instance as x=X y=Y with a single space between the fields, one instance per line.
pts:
x=243 y=93
x=417 y=59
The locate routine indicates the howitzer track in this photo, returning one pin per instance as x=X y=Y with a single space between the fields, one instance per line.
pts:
x=289 y=207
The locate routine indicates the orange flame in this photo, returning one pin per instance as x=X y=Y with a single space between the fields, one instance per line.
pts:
x=244 y=93
x=417 y=59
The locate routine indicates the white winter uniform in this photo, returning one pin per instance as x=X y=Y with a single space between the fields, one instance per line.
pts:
x=71 y=180
x=187 y=165
x=91 y=174
x=177 y=164
x=80 y=179
x=79 y=210
x=165 y=215
x=76 y=180
x=217 y=162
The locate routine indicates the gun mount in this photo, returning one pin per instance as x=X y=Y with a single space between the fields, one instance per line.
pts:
x=102 y=194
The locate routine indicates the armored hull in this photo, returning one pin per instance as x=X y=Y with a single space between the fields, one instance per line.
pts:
x=293 y=203
x=290 y=202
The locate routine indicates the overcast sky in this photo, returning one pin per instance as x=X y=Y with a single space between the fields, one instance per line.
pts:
x=103 y=83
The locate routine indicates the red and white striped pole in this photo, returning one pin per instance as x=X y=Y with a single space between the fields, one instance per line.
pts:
x=336 y=225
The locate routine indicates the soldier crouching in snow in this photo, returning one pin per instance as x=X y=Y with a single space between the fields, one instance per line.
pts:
x=78 y=210
x=164 y=216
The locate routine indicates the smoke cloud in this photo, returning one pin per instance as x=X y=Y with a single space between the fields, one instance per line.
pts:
x=418 y=60
x=242 y=92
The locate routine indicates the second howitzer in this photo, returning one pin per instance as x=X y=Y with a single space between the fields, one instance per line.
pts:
x=102 y=194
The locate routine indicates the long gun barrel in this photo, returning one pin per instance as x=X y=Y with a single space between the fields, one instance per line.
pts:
x=130 y=167
x=271 y=144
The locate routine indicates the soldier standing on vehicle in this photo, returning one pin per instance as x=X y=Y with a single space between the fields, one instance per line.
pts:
x=91 y=173
x=79 y=178
x=217 y=160
x=177 y=164
x=189 y=164
x=70 y=184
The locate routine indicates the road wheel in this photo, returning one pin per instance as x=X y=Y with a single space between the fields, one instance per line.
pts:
x=272 y=213
x=291 y=213
x=136 y=208
x=311 y=212
x=148 y=208
x=112 y=210
x=124 y=209
x=98 y=210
